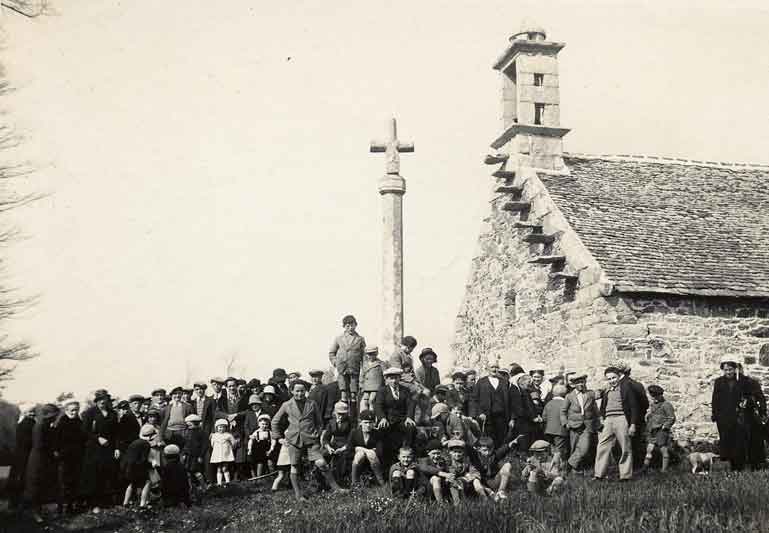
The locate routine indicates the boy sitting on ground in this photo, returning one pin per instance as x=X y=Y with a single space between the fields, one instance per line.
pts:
x=464 y=478
x=544 y=472
x=403 y=474
x=494 y=470
x=365 y=446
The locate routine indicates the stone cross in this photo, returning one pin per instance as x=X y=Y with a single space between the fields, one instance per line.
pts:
x=392 y=187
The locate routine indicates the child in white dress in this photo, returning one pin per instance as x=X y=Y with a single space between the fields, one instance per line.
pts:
x=222 y=450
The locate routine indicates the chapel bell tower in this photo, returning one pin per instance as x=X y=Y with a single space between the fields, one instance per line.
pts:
x=531 y=124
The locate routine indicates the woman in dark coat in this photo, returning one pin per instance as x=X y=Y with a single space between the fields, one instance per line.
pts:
x=737 y=411
x=41 y=467
x=21 y=455
x=68 y=449
x=98 y=481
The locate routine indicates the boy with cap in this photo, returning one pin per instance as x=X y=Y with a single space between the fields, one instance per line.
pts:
x=543 y=473
x=464 y=478
x=579 y=412
x=174 y=484
x=659 y=421
x=196 y=446
x=334 y=439
x=159 y=401
x=135 y=402
x=316 y=386
x=135 y=466
x=301 y=436
x=371 y=377
x=365 y=447
x=433 y=469
x=346 y=355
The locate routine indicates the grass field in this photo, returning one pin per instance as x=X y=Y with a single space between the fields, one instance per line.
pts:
x=676 y=502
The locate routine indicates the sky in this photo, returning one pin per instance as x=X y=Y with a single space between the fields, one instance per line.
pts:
x=209 y=190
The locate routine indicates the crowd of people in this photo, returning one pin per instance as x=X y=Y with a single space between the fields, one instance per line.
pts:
x=388 y=418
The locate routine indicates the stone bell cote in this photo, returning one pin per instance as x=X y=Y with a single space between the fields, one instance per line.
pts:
x=531 y=122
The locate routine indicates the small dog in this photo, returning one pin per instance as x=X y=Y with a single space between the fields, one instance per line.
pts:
x=702 y=462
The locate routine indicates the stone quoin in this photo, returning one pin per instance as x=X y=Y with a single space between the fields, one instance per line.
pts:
x=584 y=259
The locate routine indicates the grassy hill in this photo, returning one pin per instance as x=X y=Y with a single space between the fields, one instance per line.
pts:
x=676 y=502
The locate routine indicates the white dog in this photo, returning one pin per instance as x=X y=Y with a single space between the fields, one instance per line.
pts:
x=702 y=462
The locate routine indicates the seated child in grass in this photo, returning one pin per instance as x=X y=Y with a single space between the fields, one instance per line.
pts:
x=366 y=447
x=195 y=449
x=135 y=466
x=334 y=438
x=174 y=483
x=222 y=450
x=433 y=470
x=544 y=472
x=403 y=474
x=463 y=479
x=259 y=443
x=494 y=470
x=659 y=421
x=556 y=433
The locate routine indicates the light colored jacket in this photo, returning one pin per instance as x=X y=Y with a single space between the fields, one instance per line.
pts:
x=572 y=415
x=372 y=375
x=304 y=427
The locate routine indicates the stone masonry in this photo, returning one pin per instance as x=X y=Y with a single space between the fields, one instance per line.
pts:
x=585 y=259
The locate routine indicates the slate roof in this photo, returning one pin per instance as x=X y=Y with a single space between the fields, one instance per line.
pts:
x=668 y=226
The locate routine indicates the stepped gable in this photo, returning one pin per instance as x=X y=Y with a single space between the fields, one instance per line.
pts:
x=670 y=226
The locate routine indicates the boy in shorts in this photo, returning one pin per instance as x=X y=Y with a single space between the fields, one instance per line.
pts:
x=659 y=420
x=346 y=355
x=301 y=436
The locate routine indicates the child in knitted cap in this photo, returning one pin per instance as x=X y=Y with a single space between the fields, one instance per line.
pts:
x=195 y=448
x=135 y=466
x=259 y=445
x=174 y=485
x=222 y=450
x=544 y=472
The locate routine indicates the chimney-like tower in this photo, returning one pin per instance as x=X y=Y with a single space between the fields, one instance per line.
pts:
x=531 y=132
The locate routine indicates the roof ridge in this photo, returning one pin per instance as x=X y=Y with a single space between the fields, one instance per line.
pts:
x=668 y=160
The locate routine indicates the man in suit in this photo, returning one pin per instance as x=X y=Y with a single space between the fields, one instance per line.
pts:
x=172 y=424
x=394 y=407
x=278 y=381
x=204 y=406
x=620 y=414
x=639 y=439
x=303 y=424
x=490 y=405
x=579 y=413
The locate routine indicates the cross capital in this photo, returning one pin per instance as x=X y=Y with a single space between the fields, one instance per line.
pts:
x=392 y=147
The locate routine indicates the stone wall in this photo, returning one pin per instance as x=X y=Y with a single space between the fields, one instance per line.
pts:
x=515 y=310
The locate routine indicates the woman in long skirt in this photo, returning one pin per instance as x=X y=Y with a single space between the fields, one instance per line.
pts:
x=98 y=482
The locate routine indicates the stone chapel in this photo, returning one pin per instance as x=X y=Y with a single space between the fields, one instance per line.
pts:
x=584 y=259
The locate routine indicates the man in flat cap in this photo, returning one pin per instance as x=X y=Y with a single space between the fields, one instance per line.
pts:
x=172 y=425
x=579 y=413
x=204 y=406
x=620 y=414
x=394 y=408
